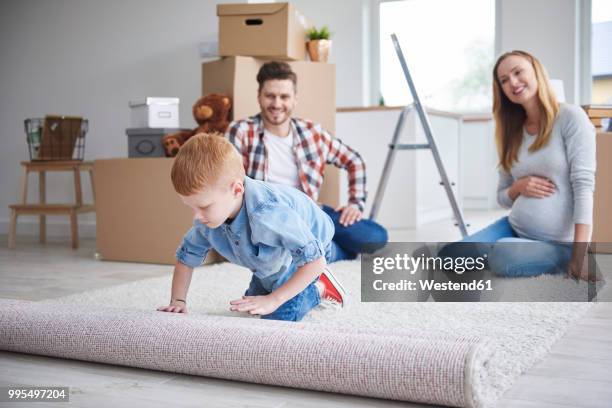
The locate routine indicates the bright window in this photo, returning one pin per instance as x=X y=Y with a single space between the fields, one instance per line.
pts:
x=601 y=51
x=449 y=49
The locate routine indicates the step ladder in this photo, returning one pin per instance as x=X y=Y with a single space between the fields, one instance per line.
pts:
x=394 y=147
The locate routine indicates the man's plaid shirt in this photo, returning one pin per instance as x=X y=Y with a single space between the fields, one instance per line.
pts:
x=313 y=148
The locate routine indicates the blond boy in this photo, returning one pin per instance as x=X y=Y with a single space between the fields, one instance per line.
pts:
x=276 y=231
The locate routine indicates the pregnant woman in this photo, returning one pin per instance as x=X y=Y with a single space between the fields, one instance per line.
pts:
x=546 y=177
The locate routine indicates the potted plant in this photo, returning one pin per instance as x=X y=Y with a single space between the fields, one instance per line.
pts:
x=318 y=44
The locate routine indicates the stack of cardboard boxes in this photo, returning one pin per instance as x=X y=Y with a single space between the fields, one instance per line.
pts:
x=139 y=216
x=599 y=115
x=249 y=36
x=602 y=217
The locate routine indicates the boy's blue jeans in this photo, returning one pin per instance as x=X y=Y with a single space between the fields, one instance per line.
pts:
x=510 y=256
x=365 y=236
x=292 y=310
x=296 y=308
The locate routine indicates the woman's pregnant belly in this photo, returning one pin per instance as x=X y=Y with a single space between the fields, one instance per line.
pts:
x=544 y=219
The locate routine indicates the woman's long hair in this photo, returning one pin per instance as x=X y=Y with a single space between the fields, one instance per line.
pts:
x=510 y=117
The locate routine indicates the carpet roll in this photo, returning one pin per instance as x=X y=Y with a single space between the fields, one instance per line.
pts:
x=417 y=366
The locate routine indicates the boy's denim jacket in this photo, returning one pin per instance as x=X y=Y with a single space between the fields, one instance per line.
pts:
x=276 y=226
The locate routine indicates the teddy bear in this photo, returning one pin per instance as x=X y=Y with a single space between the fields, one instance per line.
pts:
x=211 y=113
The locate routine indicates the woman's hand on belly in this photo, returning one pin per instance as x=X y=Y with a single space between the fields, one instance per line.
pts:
x=532 y=186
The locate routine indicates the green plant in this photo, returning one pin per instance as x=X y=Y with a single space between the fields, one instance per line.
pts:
x=381 y=101
x=322 y=34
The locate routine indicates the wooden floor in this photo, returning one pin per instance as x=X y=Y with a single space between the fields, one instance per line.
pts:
x=577 y=373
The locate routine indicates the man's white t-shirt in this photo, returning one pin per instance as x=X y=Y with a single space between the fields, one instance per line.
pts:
x=282 y=168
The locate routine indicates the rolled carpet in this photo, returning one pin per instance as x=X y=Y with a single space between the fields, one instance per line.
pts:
x=419 y=366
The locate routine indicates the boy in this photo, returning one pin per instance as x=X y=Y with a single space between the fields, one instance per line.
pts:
x=276 y=231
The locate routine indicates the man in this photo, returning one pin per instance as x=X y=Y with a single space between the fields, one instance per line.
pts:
x=278 y=148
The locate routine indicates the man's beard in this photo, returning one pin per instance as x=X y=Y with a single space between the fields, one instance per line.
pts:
x=277 y=119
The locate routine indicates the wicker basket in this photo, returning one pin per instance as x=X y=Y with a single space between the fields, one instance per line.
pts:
x=56 y=137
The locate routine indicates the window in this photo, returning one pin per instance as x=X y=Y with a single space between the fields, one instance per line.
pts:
x=449 y=49
x=601 y=51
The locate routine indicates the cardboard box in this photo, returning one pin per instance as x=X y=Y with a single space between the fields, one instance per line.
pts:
x=274 y=30
x=139 y=216
x=316 y=93
x=602 y=217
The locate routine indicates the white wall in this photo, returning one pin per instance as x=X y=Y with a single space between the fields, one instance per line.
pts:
x=552 y=31
x=345 y=19
x=89 y=58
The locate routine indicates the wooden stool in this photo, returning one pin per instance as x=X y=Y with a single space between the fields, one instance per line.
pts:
x=42 y=209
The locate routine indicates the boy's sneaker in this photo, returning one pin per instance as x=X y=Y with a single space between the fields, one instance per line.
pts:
x=332 y=289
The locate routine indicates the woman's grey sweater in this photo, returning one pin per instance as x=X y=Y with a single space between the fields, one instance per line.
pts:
x=568 y=160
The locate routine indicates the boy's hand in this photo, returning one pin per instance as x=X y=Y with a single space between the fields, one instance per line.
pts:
x=174 y=307
x=260 y=305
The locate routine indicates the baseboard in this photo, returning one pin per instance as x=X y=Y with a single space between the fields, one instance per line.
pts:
x=476 y=203
x=28 y=226
x=426 y=216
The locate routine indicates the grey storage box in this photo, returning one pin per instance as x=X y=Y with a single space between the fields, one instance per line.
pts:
x=147 y=142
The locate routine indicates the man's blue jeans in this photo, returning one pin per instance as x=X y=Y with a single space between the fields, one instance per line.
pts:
x=510 y=256
x=365 y=236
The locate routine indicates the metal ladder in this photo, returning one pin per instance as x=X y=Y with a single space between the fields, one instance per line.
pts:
x=431 y=144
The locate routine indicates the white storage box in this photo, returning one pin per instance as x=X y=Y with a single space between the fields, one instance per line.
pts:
x=155 y=112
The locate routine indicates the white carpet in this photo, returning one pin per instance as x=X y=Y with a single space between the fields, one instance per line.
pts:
x=521 y=334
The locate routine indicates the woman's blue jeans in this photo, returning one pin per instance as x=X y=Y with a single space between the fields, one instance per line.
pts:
x=511 y=256
x=365 y=236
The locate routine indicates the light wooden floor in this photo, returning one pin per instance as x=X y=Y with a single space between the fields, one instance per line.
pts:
x=575 y=374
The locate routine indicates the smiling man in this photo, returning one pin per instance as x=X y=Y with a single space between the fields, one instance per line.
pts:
x=278 y=148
